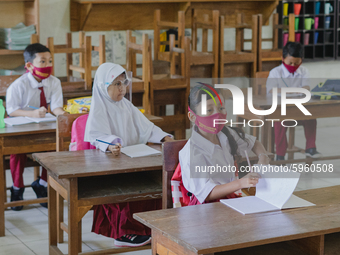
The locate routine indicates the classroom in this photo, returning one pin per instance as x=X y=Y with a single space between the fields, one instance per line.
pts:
x=169 y=127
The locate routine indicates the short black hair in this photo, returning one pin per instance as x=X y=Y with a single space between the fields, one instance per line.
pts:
x=293 y=49
x=32 y=49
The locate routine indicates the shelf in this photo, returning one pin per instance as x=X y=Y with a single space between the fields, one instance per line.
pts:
x=11 y=52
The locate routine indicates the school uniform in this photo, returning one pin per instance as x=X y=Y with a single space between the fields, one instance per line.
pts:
x=280 y=77
x=199 y=151
x=27 y=91
x=118 y=122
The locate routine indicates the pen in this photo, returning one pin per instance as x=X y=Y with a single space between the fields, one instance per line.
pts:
x=106 y=142
x=251 y=170
x=284 y=82
x=35 y=108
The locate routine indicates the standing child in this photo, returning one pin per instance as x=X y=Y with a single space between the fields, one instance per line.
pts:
x=115 y=120
x=291 y=74
x=214 y=146
x=36 y=88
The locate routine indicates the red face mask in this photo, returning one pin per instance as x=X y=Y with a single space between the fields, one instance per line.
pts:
x=207 y=123
x=291 y=69
x=42 y=72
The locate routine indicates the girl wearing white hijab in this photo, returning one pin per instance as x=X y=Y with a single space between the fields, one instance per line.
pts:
x=114 y=119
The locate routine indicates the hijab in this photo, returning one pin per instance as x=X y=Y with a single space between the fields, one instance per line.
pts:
x=114 y=118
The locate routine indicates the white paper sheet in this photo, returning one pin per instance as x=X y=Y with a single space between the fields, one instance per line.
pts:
x=247 y=205
x=14 y=121
x=48 y=118
x=296 y=202
x=273 y=192
x=139 y=150
x=273 y=188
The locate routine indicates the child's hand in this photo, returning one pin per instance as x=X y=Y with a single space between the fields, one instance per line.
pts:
x=39 y=113
x=167 y=139
x=250 y=180
x=115 y=149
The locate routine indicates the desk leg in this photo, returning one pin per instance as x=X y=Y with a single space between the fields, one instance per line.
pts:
x=52 y=217
x=311 y=245
x=73 y=222
x=2 y=196
x=60 y=218
x=161 y=245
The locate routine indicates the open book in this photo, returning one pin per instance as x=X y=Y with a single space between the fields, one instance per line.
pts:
x=273 y=192
x=139 y=150
x=14 y=121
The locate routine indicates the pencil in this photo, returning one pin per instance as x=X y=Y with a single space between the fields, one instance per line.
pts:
x=106 y=142
x=251 y=170
x=35 y=108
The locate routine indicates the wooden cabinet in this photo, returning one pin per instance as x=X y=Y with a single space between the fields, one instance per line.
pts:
x=13 y=12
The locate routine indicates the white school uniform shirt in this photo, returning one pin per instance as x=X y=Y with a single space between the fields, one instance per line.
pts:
x=117 y=122
x=202 y=152
x=24 y=92
x=279 y=77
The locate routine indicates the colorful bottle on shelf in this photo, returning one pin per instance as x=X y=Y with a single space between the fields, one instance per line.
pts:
x=2 y=114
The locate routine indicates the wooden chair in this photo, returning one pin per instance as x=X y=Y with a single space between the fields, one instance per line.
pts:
x=140 y=85
x=205 y=59
x=260 y=89
x=172 y=89
x=159 y=25
x=270 y=58
x=72 y=86
x=64 y=128
x=239 y=58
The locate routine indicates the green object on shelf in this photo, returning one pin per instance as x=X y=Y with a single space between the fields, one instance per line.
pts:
x=297 y=20
x=308 y=23
x=285 y=21
x=2 y=114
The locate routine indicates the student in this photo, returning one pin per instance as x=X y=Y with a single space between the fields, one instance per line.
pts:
x=115 y=120
x=214 y=146
x=291 y=74
x=36 y=88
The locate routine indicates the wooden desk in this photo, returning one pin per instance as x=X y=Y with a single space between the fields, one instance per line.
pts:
x=105 y=15
x=318 y=109
x=91 y=177
x=23 y=139
x=210 y=228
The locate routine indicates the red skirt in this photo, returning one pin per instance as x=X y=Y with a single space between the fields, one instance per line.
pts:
x=115 y=220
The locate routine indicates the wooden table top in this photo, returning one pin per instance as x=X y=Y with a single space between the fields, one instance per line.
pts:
x=28 y=129
x=215 y=227
x=69 y=164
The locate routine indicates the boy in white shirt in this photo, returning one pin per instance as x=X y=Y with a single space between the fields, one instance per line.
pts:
x=291 y=74
x=36 y=88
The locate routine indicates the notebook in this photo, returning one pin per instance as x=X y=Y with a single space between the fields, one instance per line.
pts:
x=273 y=192
x=15 y=121
x=139 y=150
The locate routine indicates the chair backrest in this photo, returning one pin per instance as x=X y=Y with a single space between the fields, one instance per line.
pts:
x=175 y=81
x=259 y=85
x=205 y=24
x=170 y=162
x=132 y=49
x=64 y=128
x=158 y=25
x=240 y=27
x=85 y=49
